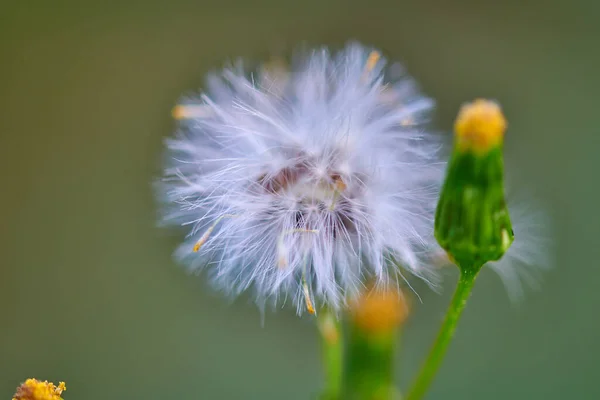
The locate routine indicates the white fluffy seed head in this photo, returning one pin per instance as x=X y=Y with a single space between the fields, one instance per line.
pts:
x=326 y=171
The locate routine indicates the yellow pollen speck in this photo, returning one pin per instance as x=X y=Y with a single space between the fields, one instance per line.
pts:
x=32 y=389
x=339 y=185
x=203 y=239
x=190 y=111
x=407 y=121
x=479 y=126
x=208 y=232
x=379 y=310
x=372 y=60
x=199 y=244
x=282 y=260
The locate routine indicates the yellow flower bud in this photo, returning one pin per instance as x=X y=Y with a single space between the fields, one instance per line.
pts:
x=379 y=310
x=479 y=126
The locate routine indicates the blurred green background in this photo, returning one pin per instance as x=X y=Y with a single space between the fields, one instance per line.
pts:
x=89 y=293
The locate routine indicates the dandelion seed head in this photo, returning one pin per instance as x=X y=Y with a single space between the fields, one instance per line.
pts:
x=328 y=170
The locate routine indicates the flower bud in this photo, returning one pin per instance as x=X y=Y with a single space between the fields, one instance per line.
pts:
x=472 y=222
x=379 y=310
x=374 y=319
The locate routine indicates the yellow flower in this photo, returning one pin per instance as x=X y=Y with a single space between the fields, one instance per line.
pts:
x=480 y=126
x=33 y=389
x=379 y=310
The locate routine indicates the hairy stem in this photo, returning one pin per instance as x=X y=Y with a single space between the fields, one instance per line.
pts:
x=438 y=350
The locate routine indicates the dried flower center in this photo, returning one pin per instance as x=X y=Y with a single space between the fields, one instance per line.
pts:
x=323 y=200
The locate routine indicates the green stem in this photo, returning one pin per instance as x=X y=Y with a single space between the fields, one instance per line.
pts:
x=368 y=365
x=437 y=352
x=331 y=339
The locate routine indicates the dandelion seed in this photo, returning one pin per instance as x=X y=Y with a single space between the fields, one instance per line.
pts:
x=309 y=304
x=208 y=232
x=326 y=181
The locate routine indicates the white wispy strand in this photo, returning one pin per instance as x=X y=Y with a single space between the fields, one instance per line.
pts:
x=528 y=257
x=530 y=254
x=302 y=185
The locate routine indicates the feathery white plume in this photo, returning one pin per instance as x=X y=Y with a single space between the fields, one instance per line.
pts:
x=531 y=251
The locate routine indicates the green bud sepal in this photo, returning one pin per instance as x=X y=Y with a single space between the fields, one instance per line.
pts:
x=472 y=222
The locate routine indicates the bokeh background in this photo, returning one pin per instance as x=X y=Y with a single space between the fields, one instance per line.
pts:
x=89 y=293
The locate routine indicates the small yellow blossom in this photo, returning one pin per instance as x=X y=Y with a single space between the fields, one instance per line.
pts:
x=32 y=389
x=379 y=310
x=479 y=126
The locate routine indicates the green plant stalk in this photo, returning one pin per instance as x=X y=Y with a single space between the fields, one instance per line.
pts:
x=332 y=345
x=438 y=350
x=368 y=365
